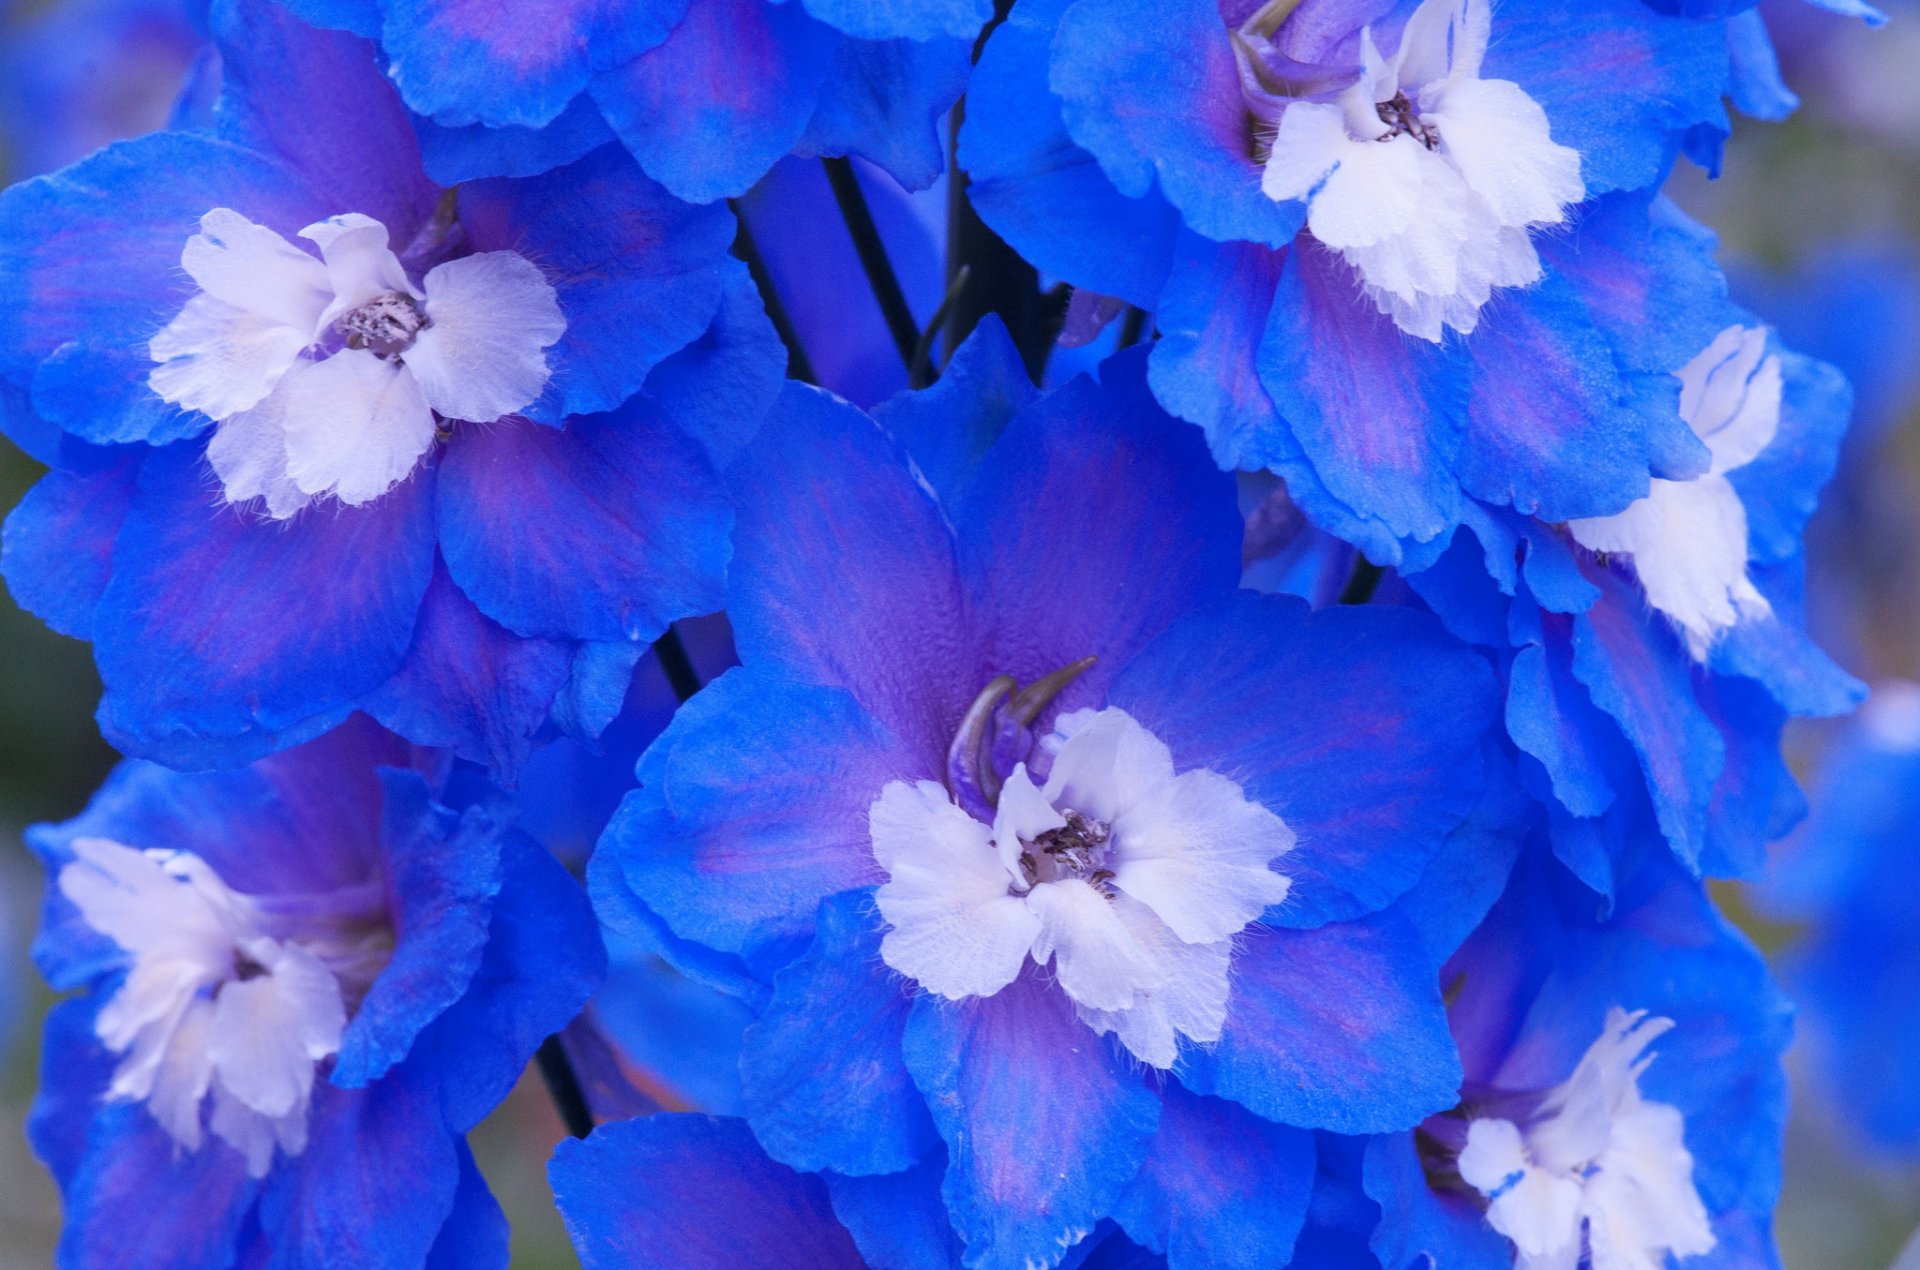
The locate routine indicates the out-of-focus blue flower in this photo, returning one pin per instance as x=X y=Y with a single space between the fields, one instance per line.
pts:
x=300 y=984
x=413 y=474
x=1652 y=656
x=1000 y=705
x=1357 y=286
x=1624 y=1097
x=706 y=94
x=78 y=75
x=1856 y=971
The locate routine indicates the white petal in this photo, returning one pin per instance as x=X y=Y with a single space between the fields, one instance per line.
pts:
x=490 y=318
x=1424 y=55
x=1197 y=854
x=243 y=1129
x=1097 y=960
x=250 y=267
x=1498 y=138
x=1107 y=765
x=249 y=454
x=1310 y=142
x=1538 y=1210
x=1730 y=395
x=1688 y=541
x=220 y=359
x=355 y=426
x=181 y=1080
x=360 y=264
x=1377 y=193
x=1189 y=1000
x=954 y=927
x=1641 y=1202
x=268 y=1031
x=1023 y=815
x=130 y=897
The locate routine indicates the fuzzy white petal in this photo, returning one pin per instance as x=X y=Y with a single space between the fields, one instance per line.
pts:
x=491 y=316
x=953 y=925
x=1198 y=856
x=1097 y=959
x=249 y=455
x=1498 y=138
x=250 y=267
x=220 y=359
x=360 y=264
x=356 y=426
x=1109 y=765
x=1189 y=998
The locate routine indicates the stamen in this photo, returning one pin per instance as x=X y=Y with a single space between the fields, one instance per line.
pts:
x=385 y=326
x=993 y=737
x=1402 y=120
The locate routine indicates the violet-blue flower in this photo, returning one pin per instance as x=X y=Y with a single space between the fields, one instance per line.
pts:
x=331 y=437
x=1001 y=774
x=300 y=984
x=1396 y=254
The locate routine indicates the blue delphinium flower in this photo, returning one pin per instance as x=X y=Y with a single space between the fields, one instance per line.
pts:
x=1651 y=656
x=327 y=436
x=300 y=984
x=1014 y=794
x=1856 y=969
x=1400 y=255
x=81 y=75
x=691 y=1192
x=1624 y=1098
x=707 y=94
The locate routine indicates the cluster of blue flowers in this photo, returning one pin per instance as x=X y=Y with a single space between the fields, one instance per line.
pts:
x=1212 y=763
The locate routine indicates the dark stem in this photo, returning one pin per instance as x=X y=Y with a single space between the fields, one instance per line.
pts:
x=873 y=257
x=1133 y=326
x=563 y=1085
x=1362 y=581
x=1001 y=281
x=921 y=372
x=681 y=676
x=799 y=366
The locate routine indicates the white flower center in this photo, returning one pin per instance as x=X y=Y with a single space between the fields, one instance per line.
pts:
x=1425 y=177
x=1688 y=539
x=231 y=1000
x=325 y=375
x=1595 y=1165
x=1131 y=879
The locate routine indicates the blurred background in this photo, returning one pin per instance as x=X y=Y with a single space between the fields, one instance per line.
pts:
x=1819 y=221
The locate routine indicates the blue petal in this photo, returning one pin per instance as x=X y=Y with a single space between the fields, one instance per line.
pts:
x=474 y=152
x=1098 y=521
x=904 y=19
x=475 y=1236
x=1182 y=121
x=844 y=572
x=1044 y=194
x=752 y=809
x=1220 y=1187
x=1618 y=80
x=469 y=684
x=949 y=429
x=442 y=871
x=637 y=272
x=216 y=622
x=505 y=65
x=1417 y=1221
x=542 y=961
x=1375 y=760
x=1756 y=88
x=682 y=1192
x=373 y=1188
x=1377 y=412
x=887 y=101
x=731 y=90
x=59 y=543
x=1336 y=1028
x=718 y=388
x=609 y=529
x=998 y=1074
x=821 y=1072
x=898 y=1219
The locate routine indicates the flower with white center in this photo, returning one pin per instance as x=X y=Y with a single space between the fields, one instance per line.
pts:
x=1131 y=879
x=229 y=998
x=1688 y=539
x=324 y=376
x=1597 y=1169
x=1425 y=177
